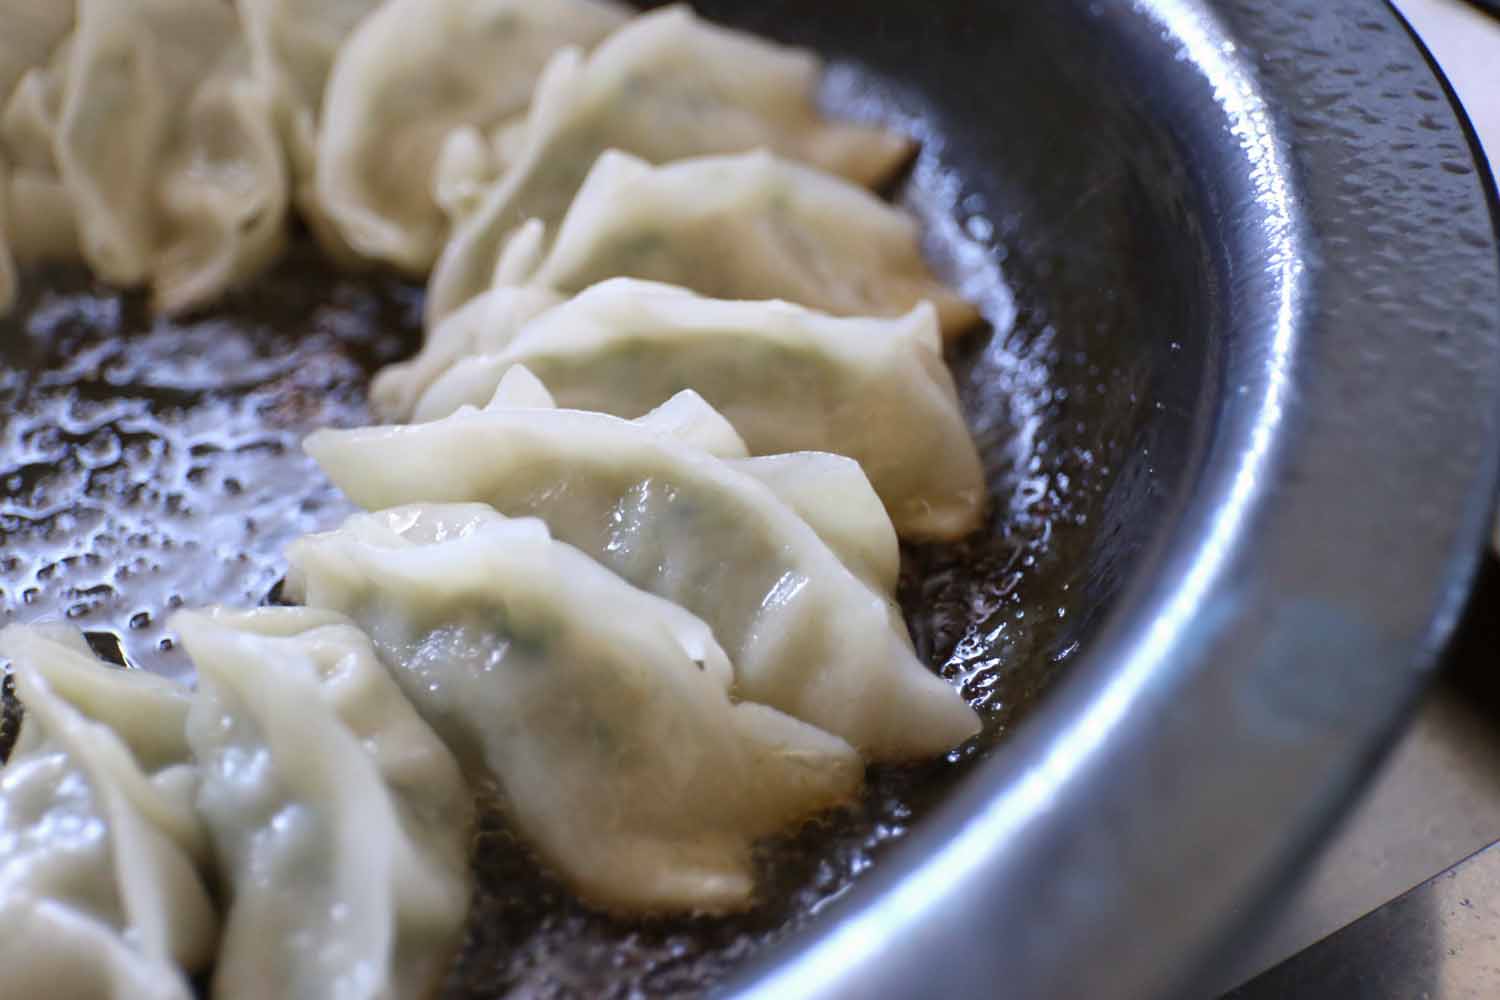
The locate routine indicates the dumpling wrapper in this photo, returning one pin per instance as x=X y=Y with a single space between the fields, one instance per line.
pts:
x=666 y=86
x=484 y=325
x=39 y=223
x=100 y=893
x=293 y=44
x=812 y=632
x=340 y=821
x=145 y=146
x=167 y=149
x=602 y=711
x=33 y=31
x=411 y=73
x=750 y=226
x=787 y=378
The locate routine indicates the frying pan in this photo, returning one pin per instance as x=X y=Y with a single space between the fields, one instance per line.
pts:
x=1287 y=188
x=1238 y=404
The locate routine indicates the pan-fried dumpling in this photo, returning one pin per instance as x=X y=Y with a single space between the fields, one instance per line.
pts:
x=412 y=72
x=166 y=148
x=809 y=633
x=340 y=821
x=604 y=713
x=787 y=378
x=483 y=325
x=31 y=50
x=39 y=221
x=144 y=145
x=100 y=894
x=28 y=108
x=468 y=163
x=293 y=44
x=223 y=191
x=750 y=226
x=666 y=86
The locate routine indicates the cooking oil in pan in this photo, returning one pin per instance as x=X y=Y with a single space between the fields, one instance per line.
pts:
x=149 y=464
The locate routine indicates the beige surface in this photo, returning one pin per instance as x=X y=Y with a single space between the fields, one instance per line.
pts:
x=1436 y=801
x=1466 y=44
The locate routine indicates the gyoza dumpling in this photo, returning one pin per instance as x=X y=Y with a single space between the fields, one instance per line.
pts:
x=602 y=711
x=165 y=146
x=222 y=193
x=810 y=633
x=787 y=378
x=29 y=49
x=483 y=325
x=340 y=821
x=39 y=216
x=32 y=34
x=409 y=74
x=666 y=86
x=148 y=122
x=750 y=226
x=293 y=44
x=100 y=894
x=148 y=712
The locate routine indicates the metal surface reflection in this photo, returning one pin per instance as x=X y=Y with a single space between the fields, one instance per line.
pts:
x=1275 y=637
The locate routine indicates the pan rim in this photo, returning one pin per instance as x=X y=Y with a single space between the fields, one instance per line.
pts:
x=1213 y=620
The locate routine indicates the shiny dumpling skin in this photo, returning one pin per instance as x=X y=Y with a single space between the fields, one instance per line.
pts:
x=747 y=226
x=602 y=712
x=668 y=85
x=409 y=74
x=787 y=378
x=340 y=821
x=144 y=710
x=100 y=892
x=808 y=633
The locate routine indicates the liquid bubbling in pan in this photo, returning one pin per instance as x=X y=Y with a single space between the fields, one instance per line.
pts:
x=150 y=464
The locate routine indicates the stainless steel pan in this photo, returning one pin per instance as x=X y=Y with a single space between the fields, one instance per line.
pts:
x=1239 y=408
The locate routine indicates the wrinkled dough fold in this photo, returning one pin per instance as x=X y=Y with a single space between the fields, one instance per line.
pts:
x=340 y=821
x=788 y=379
x=604 y=713
x=407 y=76
x=664 y=87
x=808 y=633
x=100 y=886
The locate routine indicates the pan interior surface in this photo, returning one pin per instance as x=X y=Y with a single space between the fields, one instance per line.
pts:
x=155 y=464
x=1081 y=179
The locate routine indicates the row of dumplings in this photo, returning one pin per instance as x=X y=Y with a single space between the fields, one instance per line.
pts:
x=165 y=142
x=630 y=541
x=712 y=658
